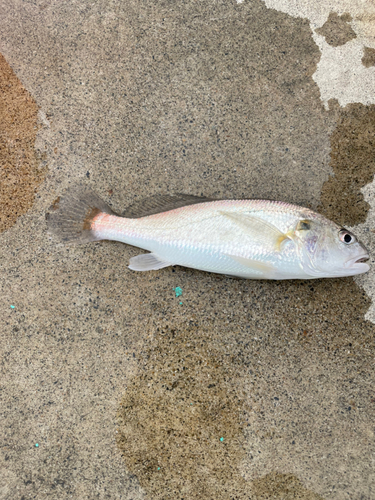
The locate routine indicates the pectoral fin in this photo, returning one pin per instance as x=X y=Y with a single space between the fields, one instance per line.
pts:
x=258 y=229
x=147 y=262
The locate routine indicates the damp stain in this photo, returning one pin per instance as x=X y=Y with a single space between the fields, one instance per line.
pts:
x=336 y=29
x=353 y=164
x=281 y=486
x=180 y=421
x=20 y=174
x=193 y=389
x=246 y=105
x=368 y=58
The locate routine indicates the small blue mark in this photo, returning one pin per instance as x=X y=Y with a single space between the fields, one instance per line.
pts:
x=158 y=468
x=178 y=291
x=180 y=303
x=12 y=307
x=221 y=439
x=36 y=445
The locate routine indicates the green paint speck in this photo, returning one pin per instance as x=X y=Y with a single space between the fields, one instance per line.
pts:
x=221 y=439
x=36 y=445
x=178 y=291
x=12 y=307
x=158 y=468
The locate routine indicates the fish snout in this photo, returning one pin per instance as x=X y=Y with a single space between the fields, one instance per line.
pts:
x=359 y=263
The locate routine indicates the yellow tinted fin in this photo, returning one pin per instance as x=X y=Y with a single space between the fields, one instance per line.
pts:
x=280 y=240
x=258 y=229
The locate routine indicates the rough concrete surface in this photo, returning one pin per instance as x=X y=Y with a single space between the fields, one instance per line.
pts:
x=113 y=387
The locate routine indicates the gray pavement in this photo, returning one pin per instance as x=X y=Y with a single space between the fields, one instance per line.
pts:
x=113 y=387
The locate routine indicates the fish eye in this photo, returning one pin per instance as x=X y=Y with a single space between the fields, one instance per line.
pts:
x=346 y=237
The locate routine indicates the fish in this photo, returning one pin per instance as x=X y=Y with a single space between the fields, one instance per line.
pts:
x=252 y=239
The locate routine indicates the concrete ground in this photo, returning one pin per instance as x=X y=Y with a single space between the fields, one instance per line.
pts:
x=113 y=387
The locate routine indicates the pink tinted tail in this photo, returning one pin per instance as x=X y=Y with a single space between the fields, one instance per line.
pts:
x=70 y=217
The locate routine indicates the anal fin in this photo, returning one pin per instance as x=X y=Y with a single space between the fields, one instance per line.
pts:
x=147 y=262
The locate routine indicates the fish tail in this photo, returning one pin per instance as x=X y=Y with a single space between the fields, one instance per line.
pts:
x=70 y=217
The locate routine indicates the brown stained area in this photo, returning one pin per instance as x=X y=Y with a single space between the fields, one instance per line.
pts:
x=88 y=220
x=281 y=486
x=194 y=388
x=368 y=58
x=55 y=204
x=353 y=164
x=175 y=413
x=19 y=172
x=336 y=29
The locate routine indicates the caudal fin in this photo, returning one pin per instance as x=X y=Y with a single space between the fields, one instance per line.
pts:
x=70 y=217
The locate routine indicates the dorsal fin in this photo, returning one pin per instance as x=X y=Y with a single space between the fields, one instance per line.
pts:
x=161 y=203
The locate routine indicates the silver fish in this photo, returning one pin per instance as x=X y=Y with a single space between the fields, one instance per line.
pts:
x=256 y=239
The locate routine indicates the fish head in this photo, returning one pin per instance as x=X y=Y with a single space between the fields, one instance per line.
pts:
x=327 y=250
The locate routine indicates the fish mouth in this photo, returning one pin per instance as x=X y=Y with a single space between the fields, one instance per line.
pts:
x=359 y=263
x=362 y=259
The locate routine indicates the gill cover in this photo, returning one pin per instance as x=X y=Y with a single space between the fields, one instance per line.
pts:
x=306 y=237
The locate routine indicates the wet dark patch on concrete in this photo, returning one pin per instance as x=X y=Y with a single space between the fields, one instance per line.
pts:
x=19 y=172
x=368 y=58
x=353 y=164
x=193 y=388
x=181 y=419
x=281 y=486
x=219 y=95
x=336 y=29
